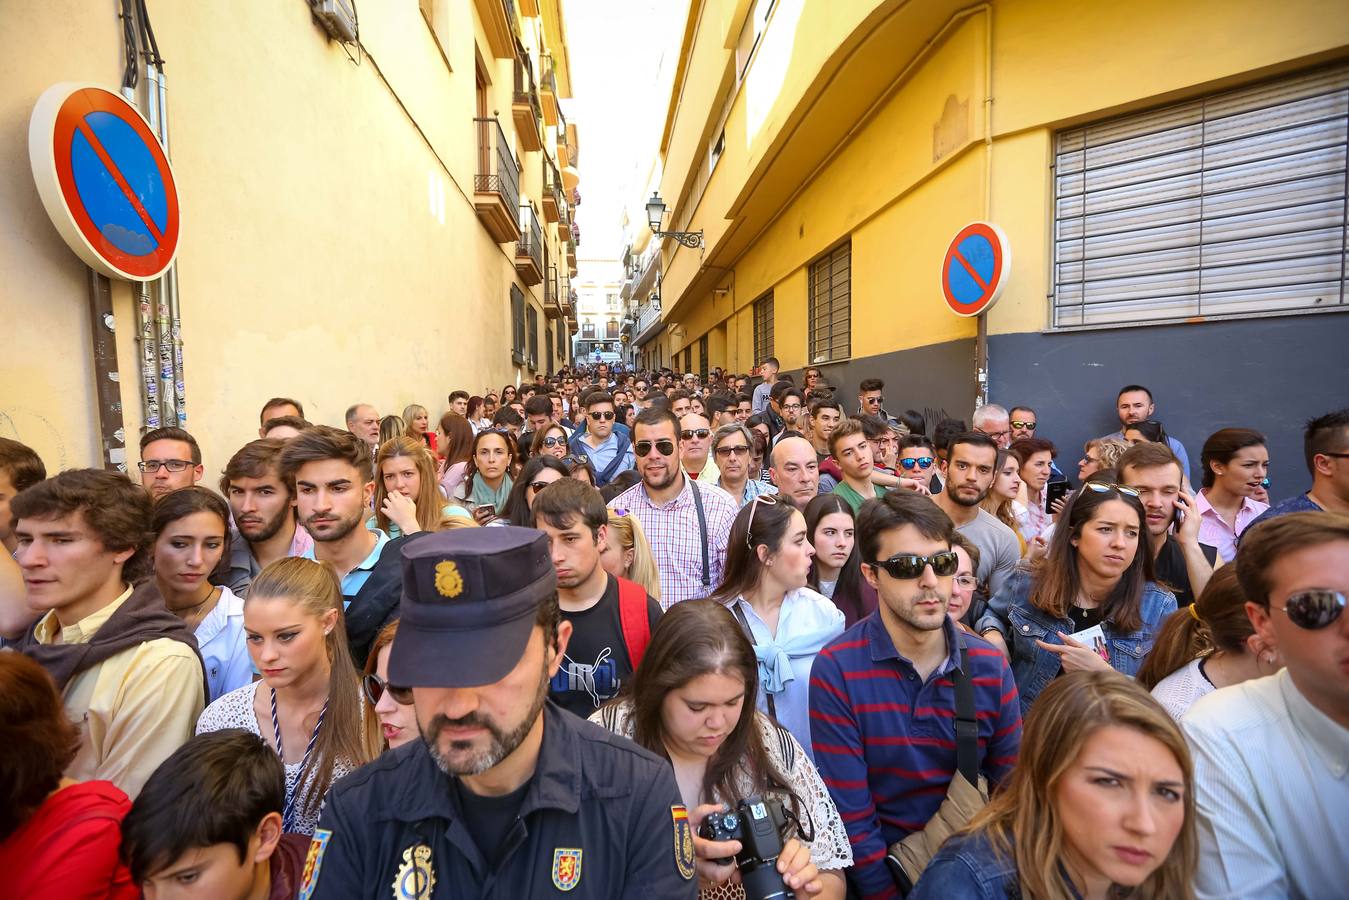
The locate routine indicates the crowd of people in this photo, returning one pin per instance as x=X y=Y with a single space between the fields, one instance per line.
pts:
x=644 y=634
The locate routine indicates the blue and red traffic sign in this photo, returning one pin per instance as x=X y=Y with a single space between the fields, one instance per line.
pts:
x=104 y=180
x=975 y=269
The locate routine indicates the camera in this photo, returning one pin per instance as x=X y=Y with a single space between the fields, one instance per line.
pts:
x=757 y=824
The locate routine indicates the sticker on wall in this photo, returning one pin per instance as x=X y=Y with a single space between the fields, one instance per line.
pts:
x=104 y=180
x=976 y=268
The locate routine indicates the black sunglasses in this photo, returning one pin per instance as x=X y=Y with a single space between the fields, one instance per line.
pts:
x=1313 y=609
x=537 y=486
x=664 y=447
x=605 y=415
x=689 y=434
x=374 y=688
x=551 y=441
x=908 y=566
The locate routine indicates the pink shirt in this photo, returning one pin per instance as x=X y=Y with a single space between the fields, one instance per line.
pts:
x=1214 y=530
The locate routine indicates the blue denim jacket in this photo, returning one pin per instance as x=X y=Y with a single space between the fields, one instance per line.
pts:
x=1021 y=624
x=968 y=868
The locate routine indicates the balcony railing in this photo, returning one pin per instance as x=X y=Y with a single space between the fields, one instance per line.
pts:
x=552 y=192
x=496 y=186
x=529 y=248
x=548 y=89
x=552 y=302
x=526 y=109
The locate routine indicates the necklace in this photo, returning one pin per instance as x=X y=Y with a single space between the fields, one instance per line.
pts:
x=188 y=613
x=288 y=814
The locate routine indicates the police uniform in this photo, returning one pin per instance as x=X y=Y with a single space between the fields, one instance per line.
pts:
x=600 y=817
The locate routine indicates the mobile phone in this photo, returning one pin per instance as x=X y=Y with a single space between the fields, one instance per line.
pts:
x=1054 y=492
x=484 y=509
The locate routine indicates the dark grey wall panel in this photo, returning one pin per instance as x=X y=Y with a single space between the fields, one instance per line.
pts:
x=1268 y=374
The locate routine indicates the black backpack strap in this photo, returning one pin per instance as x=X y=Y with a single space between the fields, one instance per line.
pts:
x=967 y=725
x=702 y=528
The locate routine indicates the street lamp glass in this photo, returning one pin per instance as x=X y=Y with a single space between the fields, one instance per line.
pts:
x=655 y=211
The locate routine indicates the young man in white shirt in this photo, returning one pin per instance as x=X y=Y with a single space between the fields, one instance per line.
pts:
x=1271 y=755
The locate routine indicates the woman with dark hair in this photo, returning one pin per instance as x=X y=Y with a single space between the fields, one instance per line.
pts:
x=508 y=394
x=191 y=527
x=551 y=439
x=457 y=435
x=1208 y=645
x=836 y=570
x=397 y=721
x=1147 y=431
x=1036 y=458
x=58 y=837
x=473 y=412
x=578 y=464
x=1065 y=825
x=1097 y=572
x=686 y=703
x=537 y=473
x=1235 y=462
x=768 y=559
x=487 y=478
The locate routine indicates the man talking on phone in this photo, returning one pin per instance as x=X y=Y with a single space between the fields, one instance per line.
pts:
x=1178 y=558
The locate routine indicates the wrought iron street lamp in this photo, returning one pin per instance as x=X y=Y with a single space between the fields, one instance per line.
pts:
x=655 y=213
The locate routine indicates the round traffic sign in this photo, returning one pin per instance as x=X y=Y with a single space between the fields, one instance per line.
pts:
x=104 y=180
x=975 y=270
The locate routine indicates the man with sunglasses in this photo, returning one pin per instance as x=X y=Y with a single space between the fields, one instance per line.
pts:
x=871 y=400
x=969 y=471
x=170 y=459
x=1270 y=754
x=1325 y=445
x=599 y=441
x=686 y=522
x=918 y=460
x=883 y=694
x=695 y=439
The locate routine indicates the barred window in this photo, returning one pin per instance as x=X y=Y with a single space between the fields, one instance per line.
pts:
x=532 y=328
x=763 y=328
x=831 y=305
x=1231 y=205
x=702 y=357
x=517 y=326
x=688 y=360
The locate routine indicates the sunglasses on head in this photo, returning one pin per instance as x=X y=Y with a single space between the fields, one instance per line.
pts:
x=922 y=462
x=700 y=433
x=605 y=415
x=1313 y=609
x=664 y=446
x=1104 y=487
x=374 y=687
x=908 y=566
x=770 y=500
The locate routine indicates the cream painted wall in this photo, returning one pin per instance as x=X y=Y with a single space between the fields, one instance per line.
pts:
x=330 y=250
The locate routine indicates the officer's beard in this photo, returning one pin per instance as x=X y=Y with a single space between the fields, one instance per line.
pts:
x=461 y=759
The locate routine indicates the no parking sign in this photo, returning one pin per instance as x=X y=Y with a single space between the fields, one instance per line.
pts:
x=104 y=180
x=975 y=269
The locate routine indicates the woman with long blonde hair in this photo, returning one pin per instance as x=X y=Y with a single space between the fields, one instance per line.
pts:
x=407 y=495
x=418 y=422
x=1100 y=805
x=628 y=555
x=308 y=706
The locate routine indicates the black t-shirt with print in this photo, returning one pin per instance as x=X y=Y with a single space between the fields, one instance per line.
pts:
x=596 y=664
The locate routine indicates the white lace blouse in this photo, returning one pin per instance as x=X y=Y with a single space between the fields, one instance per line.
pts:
x=235 y=710
x=1178 y=691
x=830 y=848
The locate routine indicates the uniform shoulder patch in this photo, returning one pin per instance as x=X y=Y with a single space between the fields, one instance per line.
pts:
x=566 y=868
x=318 y=845
x=683 y=840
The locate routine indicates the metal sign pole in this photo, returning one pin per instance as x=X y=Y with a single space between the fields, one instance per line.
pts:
x=981 y=361
x=107 y=387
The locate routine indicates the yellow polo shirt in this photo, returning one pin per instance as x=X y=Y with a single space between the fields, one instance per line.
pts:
x=133 y=709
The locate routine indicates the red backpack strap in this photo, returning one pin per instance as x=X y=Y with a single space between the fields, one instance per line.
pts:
x=633 y=617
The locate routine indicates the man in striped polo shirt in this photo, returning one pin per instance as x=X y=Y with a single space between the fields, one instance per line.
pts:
x=882 y=698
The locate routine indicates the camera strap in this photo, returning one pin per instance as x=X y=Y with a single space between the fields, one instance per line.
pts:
x=967 y=725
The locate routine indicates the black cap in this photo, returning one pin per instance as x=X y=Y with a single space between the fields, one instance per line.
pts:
x=470 y=596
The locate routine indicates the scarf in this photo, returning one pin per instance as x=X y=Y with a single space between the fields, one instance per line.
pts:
x=809 y=634
x=481 y=493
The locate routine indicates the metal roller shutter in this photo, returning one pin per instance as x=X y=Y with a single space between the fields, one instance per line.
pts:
x=1231 y=205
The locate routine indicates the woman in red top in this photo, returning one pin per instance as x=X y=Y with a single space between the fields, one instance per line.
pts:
x=58 y=838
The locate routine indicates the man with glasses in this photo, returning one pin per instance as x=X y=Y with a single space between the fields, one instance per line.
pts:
x=607 y=451
x=871 y=399
x=969 y=471
x=1023 y=422
x=1325 y=446
x=1178 y=559
x=640 y=393
x=170 y=459
x=789 y=407
x=732 y=446
x=686 y=523
x=883 y=694
x=695 y=438
x=918 y=460
x=991 y=419
x=1270 y=754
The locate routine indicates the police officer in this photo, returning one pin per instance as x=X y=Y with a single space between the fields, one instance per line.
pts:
x=506 y=795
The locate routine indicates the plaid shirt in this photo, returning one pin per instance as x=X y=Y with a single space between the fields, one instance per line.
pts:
x=677 y=541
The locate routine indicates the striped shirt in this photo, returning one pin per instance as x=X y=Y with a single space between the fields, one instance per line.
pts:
x=885 y=740
x=677 y=541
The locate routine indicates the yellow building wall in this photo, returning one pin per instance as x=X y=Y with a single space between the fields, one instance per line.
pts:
x=330 y=250
x=899 y=204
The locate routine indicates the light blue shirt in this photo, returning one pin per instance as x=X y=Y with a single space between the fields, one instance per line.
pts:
x=224 y=645
x=353 y=581
x=602 y=457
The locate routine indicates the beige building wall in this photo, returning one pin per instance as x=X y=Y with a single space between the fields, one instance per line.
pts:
x=330 y=250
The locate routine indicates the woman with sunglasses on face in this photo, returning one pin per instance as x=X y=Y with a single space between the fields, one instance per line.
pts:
x=732 y=451
x=1097 y=572
x=626 y=553
x=1098 y=454
x=550 y=440
x=686 y=703
x=536 y=474
x=191 y=528
x=768 y=558
x=308 y=704
x=1002 y=494
x=508 y=395
x=1099 y=806
x=836 y=570
x=397 y=721
x=487 y=479
x=1235 y=462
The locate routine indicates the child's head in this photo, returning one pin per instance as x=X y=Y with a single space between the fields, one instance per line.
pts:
x=208 y=819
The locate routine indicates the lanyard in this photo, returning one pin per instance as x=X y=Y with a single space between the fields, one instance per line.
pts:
x=287 y=817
